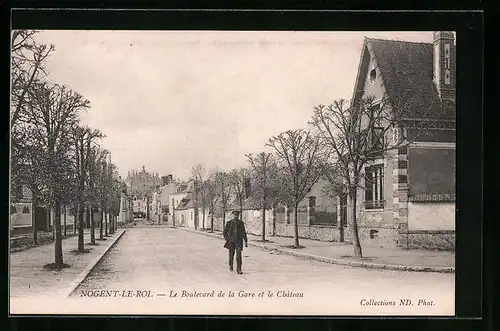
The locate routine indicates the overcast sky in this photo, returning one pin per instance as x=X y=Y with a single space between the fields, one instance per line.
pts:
x=170 y=99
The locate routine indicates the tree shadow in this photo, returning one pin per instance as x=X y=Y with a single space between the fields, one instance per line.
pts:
x=101 y=239
x=293 y=246
x=85 y=251
x=56 y=267
x=364 y=258
x=263 y=241
x=92 y=244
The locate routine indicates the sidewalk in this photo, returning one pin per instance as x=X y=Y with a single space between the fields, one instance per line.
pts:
x=29 y=278
x=374 y=256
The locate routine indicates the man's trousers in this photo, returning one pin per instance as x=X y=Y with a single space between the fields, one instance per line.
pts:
x=235 y=248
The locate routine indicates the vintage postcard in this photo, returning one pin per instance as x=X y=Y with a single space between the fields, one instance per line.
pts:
x=232 y=173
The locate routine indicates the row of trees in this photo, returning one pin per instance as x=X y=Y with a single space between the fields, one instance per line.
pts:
x=341 y=139
x=52 y=153
x=215 y=191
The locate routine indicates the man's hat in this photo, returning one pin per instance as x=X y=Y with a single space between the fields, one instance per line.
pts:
x=235 y=212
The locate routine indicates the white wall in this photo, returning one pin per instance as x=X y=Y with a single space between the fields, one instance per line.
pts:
x=20 y=219
x=431 y=216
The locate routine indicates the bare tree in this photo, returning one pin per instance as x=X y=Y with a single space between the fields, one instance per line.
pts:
x=83 y=137
x=198 y=176
x=96 y=157
x=116 y=188
x=335 y=187
x=108 y=170
x=224 y=191
x=52 y=112
x=237 y=180
x=264 y=168
x=28 y=159
x=365 y=130
x=301 y=155
x=27 y=58
x=210 y=187
x=99 y=180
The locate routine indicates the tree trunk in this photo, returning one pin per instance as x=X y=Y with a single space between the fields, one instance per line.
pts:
x=264 y=223
x=354 y=225
x=86 y=217
x=75 y=218
x=81 y=227
x=296 y=226
x=111 y=223
x=274 y=222
x=101 y=224
x=49 y=220
x=33 y=222
x=340 y=225
x=105 y=222
x=212 y=222
x=65 y=224
x=203 y=220
x=58 y=255
x=92 y=227
x=195 y=211
x=223 y=218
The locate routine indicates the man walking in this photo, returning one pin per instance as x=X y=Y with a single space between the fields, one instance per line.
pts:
x=235 y=234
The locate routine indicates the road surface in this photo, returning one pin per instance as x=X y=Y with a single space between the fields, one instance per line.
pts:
x=170 y=271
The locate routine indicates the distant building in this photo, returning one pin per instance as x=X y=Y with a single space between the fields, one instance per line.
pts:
x=184 y=212
x=182 y=190
x=142 y=182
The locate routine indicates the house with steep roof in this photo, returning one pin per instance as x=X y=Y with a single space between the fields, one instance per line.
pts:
x=182 y=190
x=409 y=196
x=184 y=212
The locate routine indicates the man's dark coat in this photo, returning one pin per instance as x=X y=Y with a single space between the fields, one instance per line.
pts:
x=234 y=232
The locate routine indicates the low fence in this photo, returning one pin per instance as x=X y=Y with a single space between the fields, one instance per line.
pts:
x=319 y=217
x=315 y=232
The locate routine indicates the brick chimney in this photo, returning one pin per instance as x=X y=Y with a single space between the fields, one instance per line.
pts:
x=444 y=64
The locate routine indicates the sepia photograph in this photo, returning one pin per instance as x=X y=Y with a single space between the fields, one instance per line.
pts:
x=282 y=173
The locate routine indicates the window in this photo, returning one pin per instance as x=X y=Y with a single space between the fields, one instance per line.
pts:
x=312 y=202
x=26 y=210
x=374 y=187
x=377 y=138
x=373 y=75
x=13 y=209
